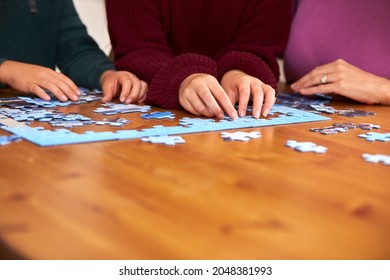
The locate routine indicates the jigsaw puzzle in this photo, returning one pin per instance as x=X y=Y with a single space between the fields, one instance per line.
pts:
x=279 y=115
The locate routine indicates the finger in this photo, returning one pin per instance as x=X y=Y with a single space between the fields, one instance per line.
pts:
x=219 y=96
x=69 y=90
x=125 y=91
x=74 y=88
x=38 y=91
x=258 y=96
x=135 y=91
x=143 y=92
x=244 y=93
x=269 y=99
x=109 y=88
x=196 y=106
x=209 y=102
x=334 y=70
x=327 y=88
x=52 y=87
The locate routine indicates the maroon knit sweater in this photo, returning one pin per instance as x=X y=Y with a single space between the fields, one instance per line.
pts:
x=165 y=41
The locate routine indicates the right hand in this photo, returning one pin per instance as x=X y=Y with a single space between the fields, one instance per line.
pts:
x=36 y=79
x=201 y=94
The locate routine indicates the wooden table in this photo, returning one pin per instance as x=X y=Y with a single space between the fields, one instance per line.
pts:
x=205 y=199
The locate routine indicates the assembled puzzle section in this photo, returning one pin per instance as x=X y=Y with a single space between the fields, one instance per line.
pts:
x=279 y=115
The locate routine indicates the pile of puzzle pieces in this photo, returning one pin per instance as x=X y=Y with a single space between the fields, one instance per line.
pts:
x=344 y=127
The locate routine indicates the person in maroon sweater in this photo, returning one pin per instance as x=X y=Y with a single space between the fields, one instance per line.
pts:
x=202 y=55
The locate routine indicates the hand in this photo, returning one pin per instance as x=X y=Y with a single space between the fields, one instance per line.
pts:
x=35 y=79
x=347 y=80
x=126 y=84
x=201 y=94
x=240 y=87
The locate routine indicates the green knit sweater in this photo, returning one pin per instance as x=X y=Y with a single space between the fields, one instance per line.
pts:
x=50 y=34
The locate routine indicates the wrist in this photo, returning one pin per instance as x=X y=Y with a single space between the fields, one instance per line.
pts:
x=105 y=74
x=2 y=71
x=384 y=92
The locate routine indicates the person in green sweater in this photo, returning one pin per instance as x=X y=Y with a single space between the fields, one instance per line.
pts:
x=36 y=36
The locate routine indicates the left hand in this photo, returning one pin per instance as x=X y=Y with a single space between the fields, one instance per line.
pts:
x=241 y=87
x=127 y=85
x=345 y=79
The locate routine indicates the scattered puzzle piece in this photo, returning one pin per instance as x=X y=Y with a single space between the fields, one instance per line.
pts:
x=385 y=159
x=375 y=136
x=240 y=135
x=164 y=139
x=306 y=147
x=5 y=140
x=159 y=115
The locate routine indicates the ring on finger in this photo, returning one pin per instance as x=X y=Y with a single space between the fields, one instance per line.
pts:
x=324 y=79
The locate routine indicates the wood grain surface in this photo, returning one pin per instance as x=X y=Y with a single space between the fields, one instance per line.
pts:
x=205 y=199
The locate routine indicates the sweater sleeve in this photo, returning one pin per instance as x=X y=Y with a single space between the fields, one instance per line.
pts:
x=140 y=45
x=258 y=42
x=79 y=57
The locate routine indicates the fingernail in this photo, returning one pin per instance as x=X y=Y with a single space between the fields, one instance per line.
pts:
x=220 y=116
x=293 y=86
x=242 y=113
x=257 y=114
x=122 y=99
x=64 y=98
x=234 y=115
x=128 y=101
x=78 y=92
x=75 y=97
x=265 y=113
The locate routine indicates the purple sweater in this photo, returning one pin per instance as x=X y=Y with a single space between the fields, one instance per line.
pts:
x=322 y=31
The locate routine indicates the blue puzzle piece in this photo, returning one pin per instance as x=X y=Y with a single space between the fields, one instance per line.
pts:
x=158 y=115
x=375 y=136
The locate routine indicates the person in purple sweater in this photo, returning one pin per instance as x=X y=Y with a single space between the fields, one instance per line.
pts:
x=202 y=55
x=342 y=47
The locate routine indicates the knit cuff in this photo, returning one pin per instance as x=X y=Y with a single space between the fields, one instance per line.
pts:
x=248 y=63
x=164 y=87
